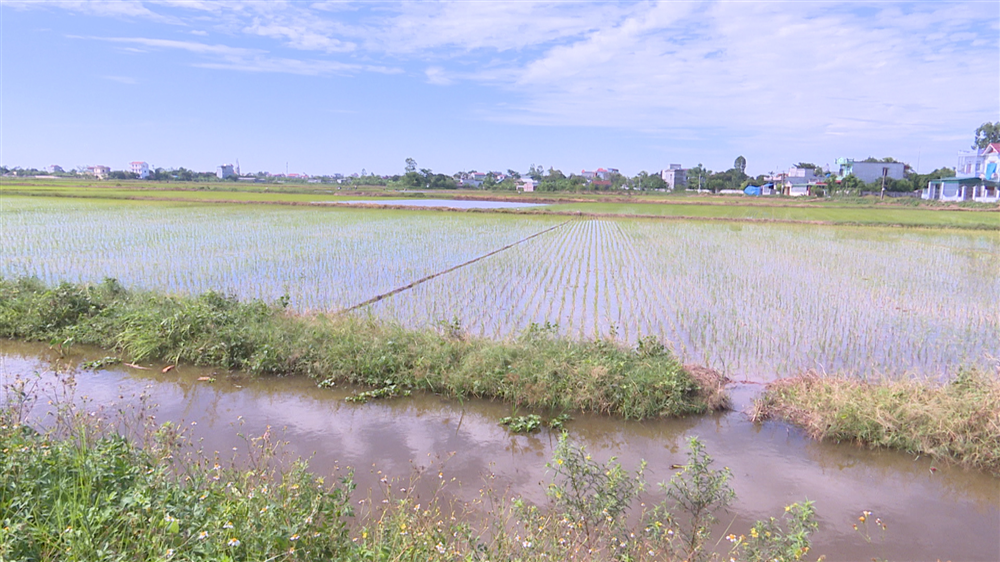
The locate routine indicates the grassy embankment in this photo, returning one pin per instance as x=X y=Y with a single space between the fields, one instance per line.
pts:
x=535 y=370
x=958 y=421
x=857 y=211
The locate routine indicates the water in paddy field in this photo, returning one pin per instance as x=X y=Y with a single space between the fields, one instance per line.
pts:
x=755 y=301
x=946 y=514
x=445 y=203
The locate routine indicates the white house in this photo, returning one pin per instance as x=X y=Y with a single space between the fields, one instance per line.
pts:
x=100 y=172
x=978 y=179
x=526 y=185
x=802 y=175
x=960 y=189
x=674 y=176
x=140 y=169
x=225 y=171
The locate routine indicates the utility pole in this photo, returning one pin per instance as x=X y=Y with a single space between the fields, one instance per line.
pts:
x=885 y=172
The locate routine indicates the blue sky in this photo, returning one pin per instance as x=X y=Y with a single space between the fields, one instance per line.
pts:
x=341 y=87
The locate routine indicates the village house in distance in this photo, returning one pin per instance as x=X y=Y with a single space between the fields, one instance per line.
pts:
x=977 y=177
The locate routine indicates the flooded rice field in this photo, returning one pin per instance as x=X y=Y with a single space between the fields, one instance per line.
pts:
x=755 y=301
x=946 y=513
x=443 y=203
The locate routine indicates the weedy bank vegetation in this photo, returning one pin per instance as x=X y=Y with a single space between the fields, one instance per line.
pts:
x=96 y=484
x=536 y=369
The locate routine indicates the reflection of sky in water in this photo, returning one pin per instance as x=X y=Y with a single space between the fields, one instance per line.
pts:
x=951 y=514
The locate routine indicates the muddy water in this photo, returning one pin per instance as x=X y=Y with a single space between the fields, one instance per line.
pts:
x=945 y=514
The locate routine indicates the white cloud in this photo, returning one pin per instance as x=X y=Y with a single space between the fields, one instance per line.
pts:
x=190 y=46
x=437 y=75
x=249 y=60
x=788 y=68
x=300 y=36
x=757 y=72
x=109 y=8
x=418 y=27
x=294 y=66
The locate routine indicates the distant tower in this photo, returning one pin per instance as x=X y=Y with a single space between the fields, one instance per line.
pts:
x=237 y=167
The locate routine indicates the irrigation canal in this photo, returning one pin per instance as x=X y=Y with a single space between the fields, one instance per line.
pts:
x=946 y=513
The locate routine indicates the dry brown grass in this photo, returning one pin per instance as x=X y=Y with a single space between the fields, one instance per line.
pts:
x=958 y=421
x=711 y=386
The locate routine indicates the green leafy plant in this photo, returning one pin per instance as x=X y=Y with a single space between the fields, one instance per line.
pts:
x=778 y=539
x=697 y=491
x=388 y=391
x=590 y=494
x=522 y=424
x=100 y=363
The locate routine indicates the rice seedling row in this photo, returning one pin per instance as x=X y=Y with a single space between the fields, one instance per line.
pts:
x=323 y=259
x=754 y=300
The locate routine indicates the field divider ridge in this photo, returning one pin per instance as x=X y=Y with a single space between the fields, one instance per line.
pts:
x=397 y=290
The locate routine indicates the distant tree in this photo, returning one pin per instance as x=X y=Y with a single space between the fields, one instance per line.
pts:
x=891 y=184
x=806 y=166
x=441 y=181
x=513 y=174
x=657 y=182
x=886 y=160
x=535 y=172
x=987 y=134
x=920 y=181
x=696 y=176
x=852 y=184
x=740 y=164
x=411 y=165
x=640 y=179
x=412 y=180
x=617 y=180
x=650 y=181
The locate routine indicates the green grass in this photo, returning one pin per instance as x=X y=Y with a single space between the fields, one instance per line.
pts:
x=533 y=370
x=848 y=211
x=81 y=492
x=958 y=421
x=866 y=216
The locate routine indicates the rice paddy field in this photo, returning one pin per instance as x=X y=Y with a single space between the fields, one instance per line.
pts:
x=756 y=301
